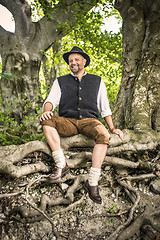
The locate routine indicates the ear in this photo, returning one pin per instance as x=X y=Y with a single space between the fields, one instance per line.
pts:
x=84 y=61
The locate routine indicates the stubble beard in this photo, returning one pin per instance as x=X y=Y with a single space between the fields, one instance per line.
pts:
x=75 y=69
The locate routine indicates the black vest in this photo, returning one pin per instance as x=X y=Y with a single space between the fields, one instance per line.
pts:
x=79 y=98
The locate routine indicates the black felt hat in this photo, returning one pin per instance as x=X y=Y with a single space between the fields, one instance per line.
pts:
x=78 y=50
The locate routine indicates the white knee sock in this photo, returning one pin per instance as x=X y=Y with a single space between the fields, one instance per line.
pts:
x=94 y=175
x=59 y=158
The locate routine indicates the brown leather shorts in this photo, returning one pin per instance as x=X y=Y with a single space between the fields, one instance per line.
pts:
x=89 y=127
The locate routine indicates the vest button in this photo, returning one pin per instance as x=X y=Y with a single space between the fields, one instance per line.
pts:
x=80 y=98
x=80 y=88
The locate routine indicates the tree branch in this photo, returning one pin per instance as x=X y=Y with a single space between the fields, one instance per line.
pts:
x=3 y=36
x=22 y=15
x=63 y=14
x=8 y=4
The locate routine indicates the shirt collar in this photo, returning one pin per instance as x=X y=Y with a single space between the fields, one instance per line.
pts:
x=75 y=76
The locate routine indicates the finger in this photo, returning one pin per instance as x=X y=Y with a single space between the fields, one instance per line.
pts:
x=44 y=116
x=121 y=135
x=50 y=114
x=41 y=118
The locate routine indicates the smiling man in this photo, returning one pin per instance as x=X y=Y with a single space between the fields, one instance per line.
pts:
x=81 y=97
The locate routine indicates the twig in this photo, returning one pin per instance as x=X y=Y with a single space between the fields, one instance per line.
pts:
x=45 y=215
x=12 y=136
x=119 y=214
x=109 y=214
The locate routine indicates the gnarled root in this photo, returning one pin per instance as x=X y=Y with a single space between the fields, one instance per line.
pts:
x=45 y=201
x=151 y=216
x=132 y=142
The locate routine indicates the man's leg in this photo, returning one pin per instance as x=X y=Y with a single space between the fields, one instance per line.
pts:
x=53 y=140
x=98 y=155
x=52 y=137
x=99 y=133
x=53 y=128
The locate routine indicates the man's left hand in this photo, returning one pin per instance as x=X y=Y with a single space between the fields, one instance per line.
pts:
x=118 y=132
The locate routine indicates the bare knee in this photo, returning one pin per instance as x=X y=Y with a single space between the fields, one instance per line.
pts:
x=46 y=127
x=103 y=136
x=48 y=130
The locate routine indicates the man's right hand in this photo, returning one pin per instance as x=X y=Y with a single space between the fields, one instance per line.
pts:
x=46 y=115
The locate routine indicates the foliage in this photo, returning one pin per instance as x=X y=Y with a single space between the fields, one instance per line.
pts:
x=29 y=129
x=113 y=209
x=8 y=76
x=104 y=48
x=12 y=132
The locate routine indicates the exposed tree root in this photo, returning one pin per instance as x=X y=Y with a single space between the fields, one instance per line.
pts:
x=11 y=156
x=7 y=195
x=54 y=232
x=115 y=234
x=140 y=177
x=151 y=216
x=47 y=201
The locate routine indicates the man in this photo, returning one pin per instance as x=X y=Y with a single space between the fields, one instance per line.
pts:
x=81 y=97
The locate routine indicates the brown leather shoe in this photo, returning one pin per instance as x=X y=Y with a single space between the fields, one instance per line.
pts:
x=93 y=192
x=58 y=173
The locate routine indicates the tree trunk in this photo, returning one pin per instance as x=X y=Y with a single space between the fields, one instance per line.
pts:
x=22 y=51
x=137 y=105
x=23 y=87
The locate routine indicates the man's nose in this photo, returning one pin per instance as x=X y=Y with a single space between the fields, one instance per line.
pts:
x=74 y=61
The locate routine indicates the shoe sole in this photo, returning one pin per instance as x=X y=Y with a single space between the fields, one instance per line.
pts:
x=59 y=179
x=86 y=189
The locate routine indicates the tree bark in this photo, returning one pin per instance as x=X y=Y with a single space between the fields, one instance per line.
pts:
x=137 y=105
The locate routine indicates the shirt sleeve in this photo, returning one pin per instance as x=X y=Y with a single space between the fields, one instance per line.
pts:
x=102 y=100
x=54 y=95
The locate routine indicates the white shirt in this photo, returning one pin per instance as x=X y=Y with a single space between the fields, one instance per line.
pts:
x=102 y=100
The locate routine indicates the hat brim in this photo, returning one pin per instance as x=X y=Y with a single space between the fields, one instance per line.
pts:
x=66 y=55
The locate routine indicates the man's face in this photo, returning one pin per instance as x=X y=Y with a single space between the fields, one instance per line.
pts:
x=76 y=62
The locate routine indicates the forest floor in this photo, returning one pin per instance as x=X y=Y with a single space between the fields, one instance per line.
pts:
x=85 y=221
